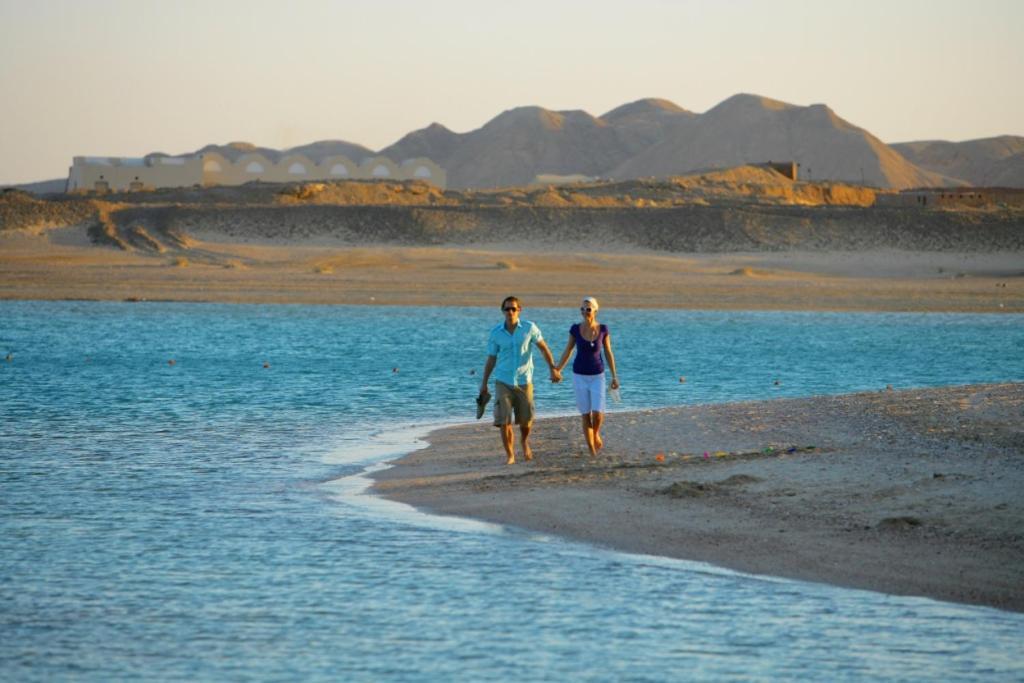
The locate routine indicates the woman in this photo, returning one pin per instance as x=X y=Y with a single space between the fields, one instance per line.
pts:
x=588 y=338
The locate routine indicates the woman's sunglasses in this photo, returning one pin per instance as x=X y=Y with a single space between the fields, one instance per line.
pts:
x=586 y=309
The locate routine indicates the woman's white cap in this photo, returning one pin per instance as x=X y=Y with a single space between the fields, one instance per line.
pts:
x=592 y=301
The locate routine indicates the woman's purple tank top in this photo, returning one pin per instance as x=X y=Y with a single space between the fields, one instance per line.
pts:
x=588 y=359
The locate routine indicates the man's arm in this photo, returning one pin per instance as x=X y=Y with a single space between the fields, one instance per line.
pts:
x=488 y=368
x=556 y=376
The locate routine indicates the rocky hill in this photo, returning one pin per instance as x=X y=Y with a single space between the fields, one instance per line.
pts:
x=988 y=162
x=745 y=128
x=40 y=187
x=434 y=142
x=657 y=138
x=516 y=146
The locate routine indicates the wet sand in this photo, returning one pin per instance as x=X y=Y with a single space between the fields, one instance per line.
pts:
x=909 y=492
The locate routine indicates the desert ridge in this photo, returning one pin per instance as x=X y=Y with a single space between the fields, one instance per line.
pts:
x=656 y=138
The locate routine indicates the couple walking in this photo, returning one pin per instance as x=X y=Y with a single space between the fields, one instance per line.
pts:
x=510 y=357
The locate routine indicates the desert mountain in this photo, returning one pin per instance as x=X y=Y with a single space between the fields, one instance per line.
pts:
x=233 y=150
x=647 y=122
x=748 y=128
x=519 y=144
x=522 y=143
x=317 y=151
x=314 y=150
x=993 y=162
x=434 y=142
x=657 y=138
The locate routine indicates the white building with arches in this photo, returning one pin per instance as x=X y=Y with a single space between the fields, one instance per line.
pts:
x=206 y=169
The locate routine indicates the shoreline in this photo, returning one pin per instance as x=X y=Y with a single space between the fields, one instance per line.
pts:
x=910 y=492
x=402 y=302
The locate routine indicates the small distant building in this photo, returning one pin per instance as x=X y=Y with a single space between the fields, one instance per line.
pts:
x=786 y=168
x=106 y=174
x=939 y=197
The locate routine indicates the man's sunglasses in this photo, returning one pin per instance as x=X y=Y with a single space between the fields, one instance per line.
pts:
x=510 y=308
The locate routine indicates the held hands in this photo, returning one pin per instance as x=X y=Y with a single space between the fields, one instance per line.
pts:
x=556 y=375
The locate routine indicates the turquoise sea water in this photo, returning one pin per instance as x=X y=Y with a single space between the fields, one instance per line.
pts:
x=205 y=520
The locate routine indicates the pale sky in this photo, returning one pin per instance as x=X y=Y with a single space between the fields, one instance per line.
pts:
x=124 y=78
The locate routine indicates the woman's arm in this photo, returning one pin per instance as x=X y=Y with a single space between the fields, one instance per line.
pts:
x=611 y=359
x=565 y=354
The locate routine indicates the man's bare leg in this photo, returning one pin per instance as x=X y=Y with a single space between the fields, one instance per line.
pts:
x=524 y=431
x=596 y=419
x=588 y=433
x=508 y=443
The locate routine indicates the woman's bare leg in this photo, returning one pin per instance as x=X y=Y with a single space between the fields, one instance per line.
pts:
x=596 y=419
x=588 y=433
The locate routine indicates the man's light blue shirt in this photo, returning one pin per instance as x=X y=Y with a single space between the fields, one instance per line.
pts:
x=514 y=352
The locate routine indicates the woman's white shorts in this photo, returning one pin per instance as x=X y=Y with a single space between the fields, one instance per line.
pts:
x=589 y=393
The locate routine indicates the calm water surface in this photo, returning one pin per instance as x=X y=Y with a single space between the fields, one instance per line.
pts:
x=205 y=520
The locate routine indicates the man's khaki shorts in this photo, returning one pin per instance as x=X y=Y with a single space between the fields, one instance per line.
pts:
x=518 y=400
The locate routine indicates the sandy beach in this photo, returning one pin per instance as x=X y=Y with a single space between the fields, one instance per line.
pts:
x=905 y=492
x=63 y=264
x=682 y=243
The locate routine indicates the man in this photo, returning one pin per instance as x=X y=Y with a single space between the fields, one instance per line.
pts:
x=510 y=357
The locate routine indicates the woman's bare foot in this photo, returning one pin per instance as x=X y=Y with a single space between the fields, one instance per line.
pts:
x=598 y=442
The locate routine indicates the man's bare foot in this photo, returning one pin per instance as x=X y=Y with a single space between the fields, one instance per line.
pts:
x=527 y=453
x=511 y=461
